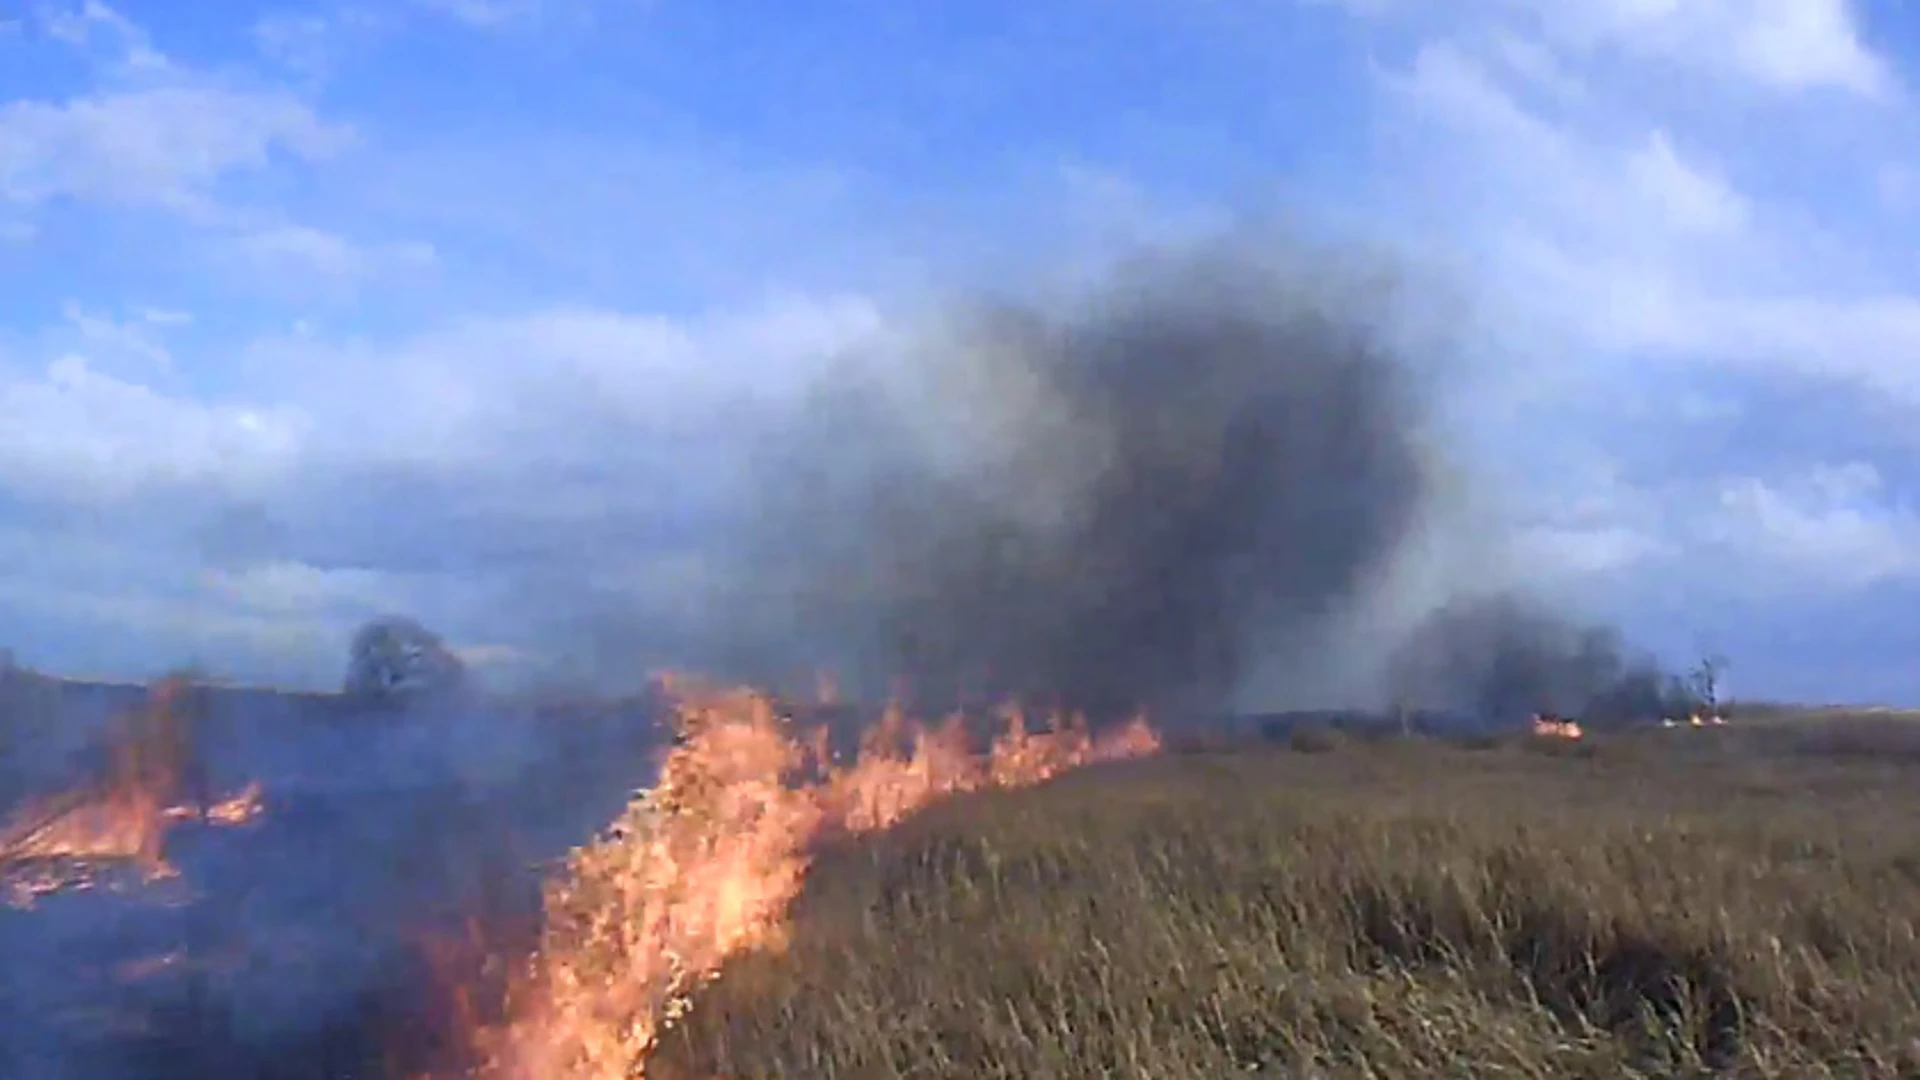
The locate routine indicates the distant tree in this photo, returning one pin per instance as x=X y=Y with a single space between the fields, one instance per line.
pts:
x=397 y=659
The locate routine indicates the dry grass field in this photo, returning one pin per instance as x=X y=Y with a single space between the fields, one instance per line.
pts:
x=1738 y=901
x=1729 y=902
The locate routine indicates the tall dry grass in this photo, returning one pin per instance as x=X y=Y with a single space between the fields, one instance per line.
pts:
x=1663 y=905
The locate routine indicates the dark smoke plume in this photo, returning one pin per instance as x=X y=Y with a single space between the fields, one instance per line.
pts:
x=1118 y=501
x=1500 y=659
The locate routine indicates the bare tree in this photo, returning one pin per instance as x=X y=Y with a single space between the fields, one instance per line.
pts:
x=1706 y=680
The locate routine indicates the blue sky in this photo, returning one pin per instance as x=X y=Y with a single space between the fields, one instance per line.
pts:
x=313 y=312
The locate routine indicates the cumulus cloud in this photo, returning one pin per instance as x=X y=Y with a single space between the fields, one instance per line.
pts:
x=1602 y=168
x=80 y=433
x=1609 y=195
x=517 y=394
x=483 y=476
x=1837 y=524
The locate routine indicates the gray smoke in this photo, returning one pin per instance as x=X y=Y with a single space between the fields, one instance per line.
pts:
x=1501 y=658
x=1122 y=499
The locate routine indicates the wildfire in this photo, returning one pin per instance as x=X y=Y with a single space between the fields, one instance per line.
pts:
x=1553 y=727
x=703 y=866
x=237 y=809
x=1696 y=720
x=151 y=784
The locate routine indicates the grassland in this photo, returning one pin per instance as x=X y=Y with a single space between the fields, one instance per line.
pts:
x=1666 y=904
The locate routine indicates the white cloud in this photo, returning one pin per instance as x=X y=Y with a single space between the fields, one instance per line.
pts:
x=1537 y=65
x=1693 y=200
x=484 y=14
x=94 y=23
x=90 y=577
x=1798 y=44
x=1585 y=158
x=299 y=42
x=477 y=391
x=152 y=134
x=1589 y=523
x=1636 y=228
x=81 y=435
x=137 y=341
x=305 y=250
x=1787 y=45
x=1587 y=551
x=1834 y=524
x=312 y=45
x=1873 y=341
x=315 y=435
x=1821 y=529
x=1543 y=171
x=1614 y=235
x=294 y=588
x=165 y=146
x=1897 y=185
x=1779 y=45
x=453 y=394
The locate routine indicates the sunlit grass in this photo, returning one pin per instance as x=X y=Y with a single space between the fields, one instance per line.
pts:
x=1674 y=904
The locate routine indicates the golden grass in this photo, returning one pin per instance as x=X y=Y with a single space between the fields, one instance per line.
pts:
x=1660 y=905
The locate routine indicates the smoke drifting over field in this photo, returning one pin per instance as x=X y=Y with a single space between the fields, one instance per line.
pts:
x=1108 y=502
x=1133 y=497
x=1500 y=658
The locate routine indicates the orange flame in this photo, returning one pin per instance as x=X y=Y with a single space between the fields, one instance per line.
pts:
x=1549 y=727
x=702 y=867
x=151 y=782
x=1696 y=720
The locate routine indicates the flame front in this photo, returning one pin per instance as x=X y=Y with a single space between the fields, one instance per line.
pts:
x=703 y=866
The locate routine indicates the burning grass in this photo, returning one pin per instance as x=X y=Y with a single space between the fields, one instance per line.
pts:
x=1626 y=907
x=1736 y=901
x=702 y=868
x=1554 y=727
x=120 y=820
